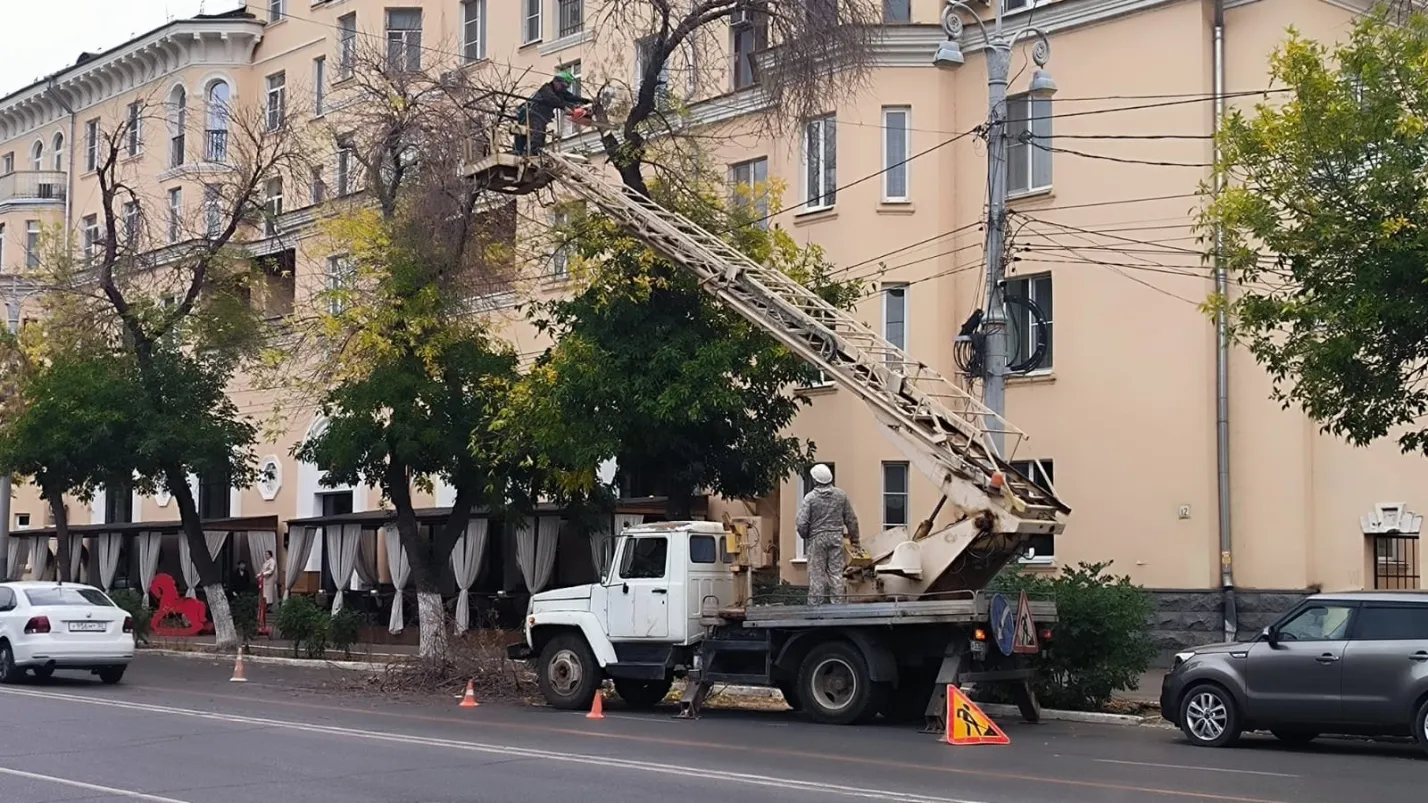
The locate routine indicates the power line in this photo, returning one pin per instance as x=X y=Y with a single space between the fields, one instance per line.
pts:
x=1122 y=160
x=1120 y=202
x=882 y=256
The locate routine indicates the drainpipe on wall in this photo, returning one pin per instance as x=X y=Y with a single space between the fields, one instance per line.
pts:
x=59 y=97
x=1222 y=356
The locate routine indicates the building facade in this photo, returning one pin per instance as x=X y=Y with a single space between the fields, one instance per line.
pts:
x=1121 y=409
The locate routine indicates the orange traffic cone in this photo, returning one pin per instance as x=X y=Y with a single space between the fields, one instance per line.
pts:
x=597 y=708
x=468 y=700
x=238 y=669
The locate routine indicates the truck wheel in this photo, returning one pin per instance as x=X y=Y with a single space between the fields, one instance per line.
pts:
x=569 y=677
x=643 y=693
x=835 y=687
x=789 y=689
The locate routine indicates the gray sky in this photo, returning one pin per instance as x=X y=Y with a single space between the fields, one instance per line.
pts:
x=38 y=38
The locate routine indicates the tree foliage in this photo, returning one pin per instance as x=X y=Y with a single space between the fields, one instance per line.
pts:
x=1324 y=218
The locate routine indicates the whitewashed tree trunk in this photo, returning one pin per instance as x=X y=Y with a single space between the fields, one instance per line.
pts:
x=224 y=632
x=431 y=621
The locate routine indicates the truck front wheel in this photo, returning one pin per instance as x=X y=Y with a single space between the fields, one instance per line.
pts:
x=835 y=686
x=569 y=676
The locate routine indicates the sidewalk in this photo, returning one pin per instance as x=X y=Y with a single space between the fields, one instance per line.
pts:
x=1149 y=689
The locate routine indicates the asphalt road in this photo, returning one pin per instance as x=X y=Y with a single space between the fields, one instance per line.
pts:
x=177 y=732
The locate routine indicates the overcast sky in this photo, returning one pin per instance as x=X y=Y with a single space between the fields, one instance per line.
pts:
x=38 y=38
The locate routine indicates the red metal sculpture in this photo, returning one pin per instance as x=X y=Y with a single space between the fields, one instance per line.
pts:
x=171 y=603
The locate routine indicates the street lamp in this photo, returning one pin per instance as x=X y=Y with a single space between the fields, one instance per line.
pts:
x=998 y=46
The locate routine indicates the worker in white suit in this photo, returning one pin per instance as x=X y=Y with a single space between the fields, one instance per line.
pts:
x=823 y=515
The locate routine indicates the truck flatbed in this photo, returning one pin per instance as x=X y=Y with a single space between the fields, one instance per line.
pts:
x=971 y=610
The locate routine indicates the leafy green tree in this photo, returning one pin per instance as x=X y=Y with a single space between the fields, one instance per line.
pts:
x=1324 y=218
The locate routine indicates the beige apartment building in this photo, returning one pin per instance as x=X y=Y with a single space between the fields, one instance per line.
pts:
x=1122 y=409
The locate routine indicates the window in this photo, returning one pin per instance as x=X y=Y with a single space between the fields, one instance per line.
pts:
x=805 y=484
x=131 y=222
x=178 y=124
x=404 y=39
x=91 y=236
x=338 y=503
x=277 y=99
x=7 y=164
x=749 y=32
x=346 y=45
x=319 y=86
x=645 y=558
x=643 y=54
x=1016 y=5
x=2 y=246
x=346 y=160
x=571 y=16
x=563 y=126
x=1037 y=290
x=118 y=503
x=214 y=499
x=37 y=156
x=821 y=12
x=473 y=30
x=22 y=521
x=339 y=279
x=212 y=210
x=820 y=162
x=32 y=243
x=703 y=549
x=1040 y=548
x=175 y=214
x=57 y=148
x=91 y=145
x=530 y=22
x=272 y=206
x=134 y=129
x=895 y=315
x=894 y=495
x=750 y=180
x=1319 y=622
x=896 y=151
x=216 y=147
x=562 y=218
x=275 y=10
x=1392 y=623
x=901 y=10
x=317 y=189
x=1028 y=132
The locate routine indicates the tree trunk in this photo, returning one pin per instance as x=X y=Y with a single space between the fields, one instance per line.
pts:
x=431 y=618
x=61 y=517
x=225 y=634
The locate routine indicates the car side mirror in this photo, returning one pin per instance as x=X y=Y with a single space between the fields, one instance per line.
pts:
x=1271 y=635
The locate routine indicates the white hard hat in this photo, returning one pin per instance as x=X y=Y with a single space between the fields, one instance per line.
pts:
x=821 y=474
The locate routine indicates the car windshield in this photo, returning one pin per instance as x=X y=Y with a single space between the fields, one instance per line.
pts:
x=67 y=595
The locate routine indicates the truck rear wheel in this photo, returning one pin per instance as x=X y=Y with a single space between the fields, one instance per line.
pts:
x=835 y=686
x=643 y=693
x=569 y=676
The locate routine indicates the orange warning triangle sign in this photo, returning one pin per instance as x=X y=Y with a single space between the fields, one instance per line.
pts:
x=966 y=724
x=1026 y=640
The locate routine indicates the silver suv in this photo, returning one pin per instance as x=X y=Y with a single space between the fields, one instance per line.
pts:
x=1354 y=664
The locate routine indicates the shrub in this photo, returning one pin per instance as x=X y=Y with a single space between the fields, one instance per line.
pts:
x=244 y=608
x=133 y=604
x=344 y=630
x=306 y=623
x=1101 y=642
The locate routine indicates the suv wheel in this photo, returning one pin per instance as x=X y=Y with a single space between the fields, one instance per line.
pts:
x=1420 y=726
x=1209 y=718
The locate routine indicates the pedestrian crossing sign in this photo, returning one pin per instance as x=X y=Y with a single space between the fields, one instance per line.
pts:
x=966 y=724
x=1026 y=641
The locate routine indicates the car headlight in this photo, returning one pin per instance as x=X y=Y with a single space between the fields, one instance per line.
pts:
x=1182 y=657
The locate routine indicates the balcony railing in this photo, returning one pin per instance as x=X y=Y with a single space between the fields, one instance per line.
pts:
x=33 y=185
x=215 y=147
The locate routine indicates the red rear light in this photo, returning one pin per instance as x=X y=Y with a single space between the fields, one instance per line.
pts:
x=1046 y=634
x=128 y=624
x=38 y=624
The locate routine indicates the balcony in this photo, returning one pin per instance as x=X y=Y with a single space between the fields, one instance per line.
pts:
x=33 y=187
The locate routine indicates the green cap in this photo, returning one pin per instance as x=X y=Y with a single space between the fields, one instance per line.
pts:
x=567 y=76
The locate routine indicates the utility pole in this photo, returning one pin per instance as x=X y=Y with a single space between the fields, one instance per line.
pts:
x=998 y=47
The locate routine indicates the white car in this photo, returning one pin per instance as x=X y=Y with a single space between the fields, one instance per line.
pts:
x=46 y=626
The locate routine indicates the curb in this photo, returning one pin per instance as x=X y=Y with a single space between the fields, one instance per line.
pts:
x=353 y=666
x=1054 y=715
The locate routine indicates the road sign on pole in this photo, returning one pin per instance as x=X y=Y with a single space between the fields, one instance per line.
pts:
x=1003 y=621
x=1026 y=638
x=966 y=724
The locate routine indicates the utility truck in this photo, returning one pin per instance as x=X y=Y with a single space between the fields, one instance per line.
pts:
x=677 y=600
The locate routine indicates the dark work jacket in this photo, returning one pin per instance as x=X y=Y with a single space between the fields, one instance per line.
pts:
x=542 y=106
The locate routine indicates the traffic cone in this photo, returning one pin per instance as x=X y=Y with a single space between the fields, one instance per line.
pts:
x=238 y=669
x=468 y=700
x=597 y=708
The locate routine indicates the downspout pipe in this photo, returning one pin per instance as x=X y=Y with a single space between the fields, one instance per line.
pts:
x=1222 y=356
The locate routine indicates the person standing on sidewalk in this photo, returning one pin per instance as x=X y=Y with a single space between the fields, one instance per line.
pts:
x=822 y=516
x=268 y=579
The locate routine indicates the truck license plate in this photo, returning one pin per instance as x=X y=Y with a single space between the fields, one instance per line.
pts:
x=86 y=627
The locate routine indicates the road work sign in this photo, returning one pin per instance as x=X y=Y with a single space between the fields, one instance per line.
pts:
x=966 y=724
x=1026 y=640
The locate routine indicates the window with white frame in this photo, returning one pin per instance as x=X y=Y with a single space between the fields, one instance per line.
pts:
x=22 y=521
x=319 y=86
x=1037 y=290
x=563 y=218
x=7 y=164
x=134 y=125
x=37 y=156
x=748 y=34
x=896 y=151
x=1017 y=5
x=2 y=246
x=275 y=10
x=32 y=243
x=346 y=165
x=131 y=223
x=644 y=53
x=272 y=206
x=340 y=275
x=895 y=495
x=90 y=226
x=806 y=484
x=215 y=147
x=900 y=11
x=895 y=316
x=175 y=228
x=1041 y=549
x=750 y=180
x=404 y=39
x=820 y=162
x=570 y=16
x=563 y=126
x=277 y=99
x=1028 y=133
x=473 y=30
x=57 y=148
x=91 y=145
x=530 y=22
x=212 y=210
x=178 y=126
x=346 y=45
x=317 y=185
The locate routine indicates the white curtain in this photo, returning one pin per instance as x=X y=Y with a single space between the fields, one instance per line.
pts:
x=535 y=550
x=76 y=545
x=107 y=545
x=341 y=546
x=466 y=561
x=300 y=541
x=367 y=559
x=401 y=569
x=149 y=546
x=259 y=545
x=602 y=542
x=186 y=566
x=39 y=556
x=16 y=551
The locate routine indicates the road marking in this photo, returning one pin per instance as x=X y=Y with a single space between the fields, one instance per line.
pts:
x=1189 y=767
x=654 y=768
x=92 y=787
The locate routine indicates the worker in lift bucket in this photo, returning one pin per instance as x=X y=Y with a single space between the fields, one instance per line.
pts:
x=536 y=113
x=822 y=516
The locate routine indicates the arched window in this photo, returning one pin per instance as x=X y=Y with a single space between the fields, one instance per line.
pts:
x=216 y=145
x=58 y=147
x=37 y=156
x=178 y=125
